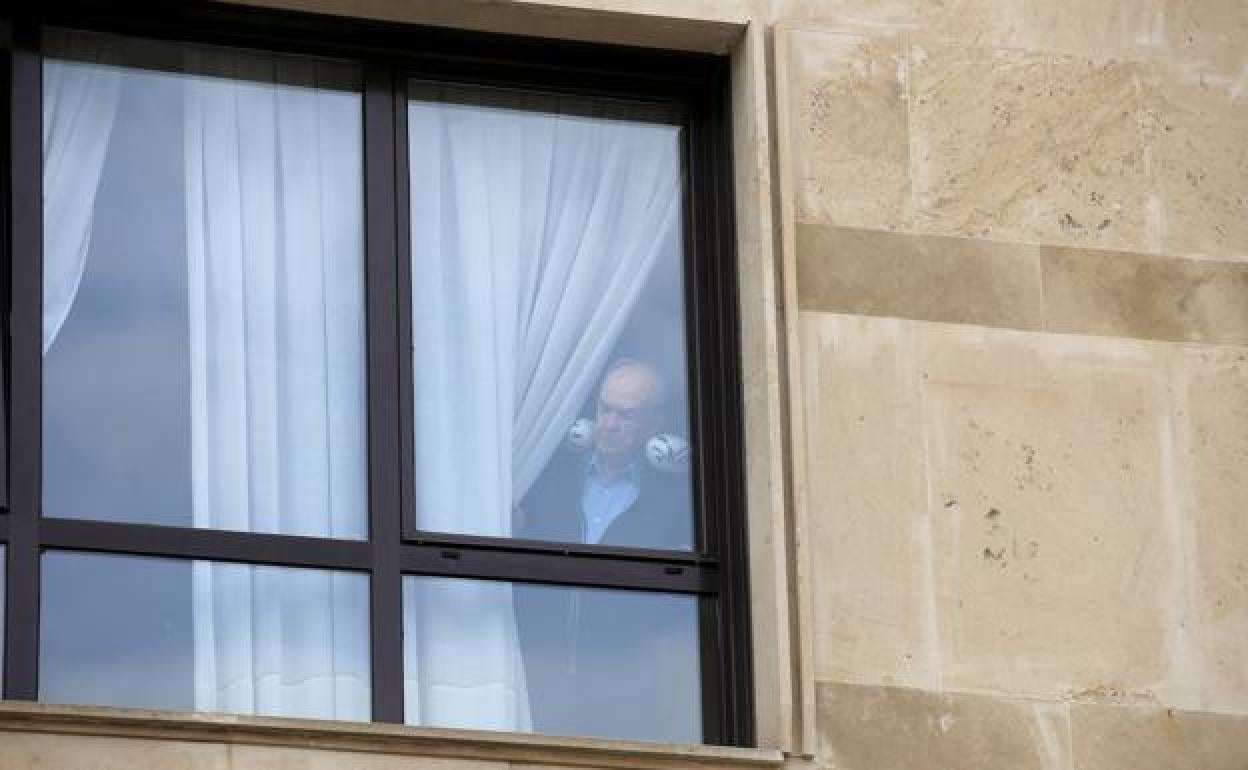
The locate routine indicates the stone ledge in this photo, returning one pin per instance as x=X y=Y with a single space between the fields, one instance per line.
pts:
x=372 y=738
x=649 y=25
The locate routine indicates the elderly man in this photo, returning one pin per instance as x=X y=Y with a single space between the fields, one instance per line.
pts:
x=581 y=646
x=611 y=495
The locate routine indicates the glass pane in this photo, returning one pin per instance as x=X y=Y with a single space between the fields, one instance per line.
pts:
x=209 y=636
x=551 y=659
x=548 y=318
x=203 y=288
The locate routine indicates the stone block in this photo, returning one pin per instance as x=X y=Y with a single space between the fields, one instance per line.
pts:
x=1054 y=570
x=1196 y=124
x=1030 y=147
x=842 y=14
x=848 y=130
x=46 y=751
x=884 y=728
x=984 y=23
x=867 y=502
x=1209 y=33
x=1103 y=29
x=1117 y=738
x=1212 y=454
x=930 y=278
x=1107 y=28
x=1148 y=297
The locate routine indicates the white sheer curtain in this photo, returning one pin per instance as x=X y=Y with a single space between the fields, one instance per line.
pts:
x=80 y=99
x=273 y=186
x=532 y=235
x=274 y=247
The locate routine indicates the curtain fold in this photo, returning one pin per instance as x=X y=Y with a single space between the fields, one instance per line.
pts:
x=80 y=98
x=532 y=236
x=273 y=193
x=275 y=296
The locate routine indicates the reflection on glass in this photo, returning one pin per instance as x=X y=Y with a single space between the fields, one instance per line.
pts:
x=209 y=636
x=203 y=297
x=548 y=318
x=550 y=659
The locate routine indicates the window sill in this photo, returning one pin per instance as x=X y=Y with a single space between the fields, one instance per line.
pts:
x=370 y=738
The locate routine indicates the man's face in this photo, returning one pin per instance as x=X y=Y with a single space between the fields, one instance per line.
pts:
x=626 y=414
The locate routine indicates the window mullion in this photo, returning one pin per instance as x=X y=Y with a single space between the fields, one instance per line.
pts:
x=726 y=466
x=381 y=249
x=26 y=358
x=403 y=286
x=6 y=47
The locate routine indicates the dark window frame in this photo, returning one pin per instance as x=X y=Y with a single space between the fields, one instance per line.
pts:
x=390 y=53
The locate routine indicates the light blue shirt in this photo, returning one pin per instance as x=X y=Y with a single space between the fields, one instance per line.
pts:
x=603 y=501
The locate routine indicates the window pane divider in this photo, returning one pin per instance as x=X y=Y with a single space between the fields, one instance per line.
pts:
x=209 y=544
x=558 y=568
x=487 y=543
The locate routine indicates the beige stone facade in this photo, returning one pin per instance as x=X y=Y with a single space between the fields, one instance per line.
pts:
x=1020 y=290
x=994 y=269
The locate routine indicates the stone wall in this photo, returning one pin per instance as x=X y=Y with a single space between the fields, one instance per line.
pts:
x=1020 y=232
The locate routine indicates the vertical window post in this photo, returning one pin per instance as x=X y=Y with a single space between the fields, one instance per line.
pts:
x=380 y=180
x=25 y=344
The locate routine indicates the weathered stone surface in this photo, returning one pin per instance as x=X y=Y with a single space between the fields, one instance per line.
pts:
x=287 y=758
x=850 y=142
x=1212 y=458
x=1046 y=516
x=972 y=22
x=884 y=728
x=1103 y=186
x=1107 y=28
x=1197 y=123
x=978 y=148
x=1103 y=29
x=846 y=13
x=1054 y=573
x=38 y=751
x=1135 y=295
x=1117 y=738
x=867 y=496
x=931 y=278
x=1029 y=147
x=693 y=9
x=1208 y=33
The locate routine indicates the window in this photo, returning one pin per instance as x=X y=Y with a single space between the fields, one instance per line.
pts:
x=370 y=372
